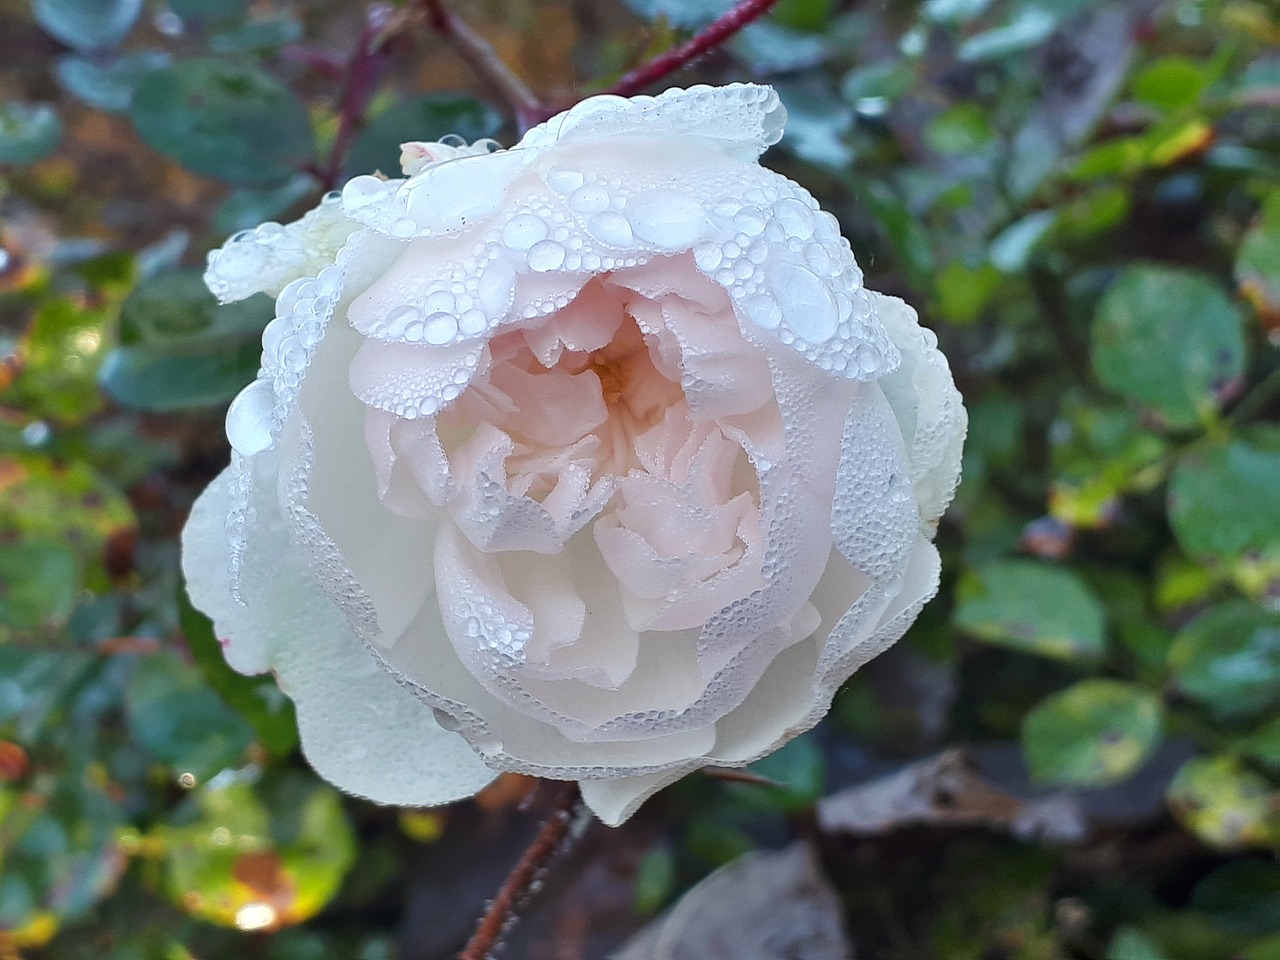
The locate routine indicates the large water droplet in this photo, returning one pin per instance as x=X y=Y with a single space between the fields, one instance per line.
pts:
x=523 y=231
x=808 y=305
x=249 y=419
x=545 y=256
x=611 y=228
x=589 y=199
x=667 y=219
x=441 y=328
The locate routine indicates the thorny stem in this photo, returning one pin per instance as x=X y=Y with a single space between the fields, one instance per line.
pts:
x=518 y=887
x=484 y=61
x=715 y=34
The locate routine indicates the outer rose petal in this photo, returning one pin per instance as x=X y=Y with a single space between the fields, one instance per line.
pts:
x=928 y=407
x=267 y=258
x=359 y=728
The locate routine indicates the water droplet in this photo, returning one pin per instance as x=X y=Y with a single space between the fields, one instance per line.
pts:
x=546 y=255
x=362 y=191
x=564 y=179
x=808 y=305
x=249 y=419
x=472 y=322
x=763 y=311
x=399 y=319
x=441 y=328
x=611 y=228
x=589 y=199
x=523 y=231
x=667 y=219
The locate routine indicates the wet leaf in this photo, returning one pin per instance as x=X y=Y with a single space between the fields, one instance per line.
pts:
x=1229 y=658
x=224 y=119
x=1094 y=732
x=1170 y=339
x=1032 y=607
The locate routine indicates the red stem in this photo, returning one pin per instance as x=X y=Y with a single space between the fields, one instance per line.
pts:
x=365 y=71
x=484 y=61
x=517 y=888
x=715 y=34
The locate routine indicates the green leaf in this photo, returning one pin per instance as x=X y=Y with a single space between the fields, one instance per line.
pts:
x=1013 y=246
x=87 y=24
x=800 y=772
x=258 y=859
x=38 y=583
x=1222 y=500
x=1032 y=607
x=1171 y=83
x=1170 y=339
x=1229 y=658
x=180 y=348
x=176 y=716
x=224 y=119
x=257 y=36
x=964 y=292
x=1242 y=897
x=684 y=14
x=427 y=118
x=961 y=129
x=1094 y=733
x=58 y=844
x=108 y=86
x=1264 y=745
x=208 y=11
x=1224 y=804
x=258 y=699
x=246 y=208
x=655 y=880
x=1028 y=27
x=1130 y=943
x=28 y=132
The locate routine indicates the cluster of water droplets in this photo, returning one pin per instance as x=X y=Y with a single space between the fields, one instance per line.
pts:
x=266 y=258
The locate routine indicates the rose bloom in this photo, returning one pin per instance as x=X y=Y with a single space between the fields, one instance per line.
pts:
x=590 y=459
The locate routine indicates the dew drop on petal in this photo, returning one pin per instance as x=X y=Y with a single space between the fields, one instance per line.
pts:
x=249 y=419
x=440 y=328
x=808 y=305
x=546 y=255
x=667 y=219
x=611 y=228
x=523 y=231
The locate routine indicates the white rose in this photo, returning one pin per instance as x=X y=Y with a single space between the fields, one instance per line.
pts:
x=590 y=459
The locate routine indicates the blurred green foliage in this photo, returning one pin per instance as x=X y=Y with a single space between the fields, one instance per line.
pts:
x=1082 y=197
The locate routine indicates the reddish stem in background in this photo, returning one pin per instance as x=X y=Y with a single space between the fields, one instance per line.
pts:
x=715 y=34
x=365 y=71
x=484 y=61
x=517 y=888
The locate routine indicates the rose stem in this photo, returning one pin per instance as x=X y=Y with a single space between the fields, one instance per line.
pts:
x=517 y=888
x=484 y=61
x=715 y=34
x=364 y=71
